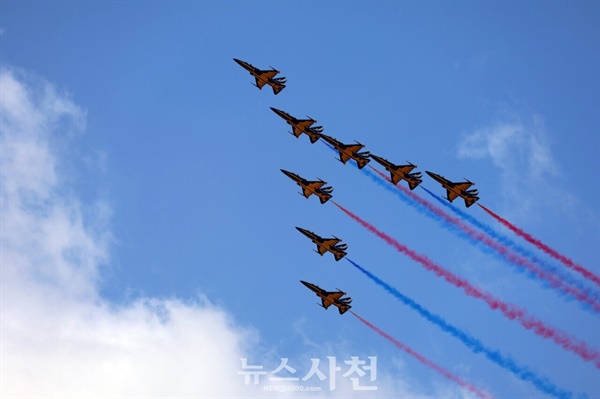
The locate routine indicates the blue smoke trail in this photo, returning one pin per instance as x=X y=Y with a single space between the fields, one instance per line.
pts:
x=507 y=242
x=407 y=200
x=476 y=346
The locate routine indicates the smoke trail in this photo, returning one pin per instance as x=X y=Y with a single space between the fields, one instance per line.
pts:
x=510 y=311
x=476 y=346
x=588 y=299
x=581 y=292
x=425 y=361
x=540 y=245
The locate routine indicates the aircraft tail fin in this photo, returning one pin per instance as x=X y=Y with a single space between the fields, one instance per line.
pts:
x=470 y=201
x=412 y=184
x=344 y=309
x=277 y=88
x=362 y=162
x=324 y=198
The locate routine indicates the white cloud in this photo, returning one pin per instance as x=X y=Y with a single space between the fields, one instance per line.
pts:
x=59 y=337
x=522 y=153
x=511 y=146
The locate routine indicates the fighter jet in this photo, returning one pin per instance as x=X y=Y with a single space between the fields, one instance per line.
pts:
x=264 y=77
x=348 y=151
x=459 y=189
x=300 y=126
x=331 y=298
x=311 y=187
x=401 y=172
x=326 y=244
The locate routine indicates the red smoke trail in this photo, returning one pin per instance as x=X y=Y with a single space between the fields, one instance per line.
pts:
x=425 y=361
x=511 y=311
x=500 y=249
x=566 y=261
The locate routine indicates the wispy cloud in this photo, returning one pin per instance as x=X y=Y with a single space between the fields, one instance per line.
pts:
x=522 y=153
x=511 y=146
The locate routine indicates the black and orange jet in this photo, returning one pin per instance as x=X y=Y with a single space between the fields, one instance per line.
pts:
x=459 y=189
x=264 y=77
x=300 y=126
x=326 y=244
x=400 y=172
x=311 y=187
x=348 y=151
x=330 y=298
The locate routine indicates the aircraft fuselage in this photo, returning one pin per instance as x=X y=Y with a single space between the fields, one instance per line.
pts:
x=325 y=244
x=299 y=126
x=264 y=77
x=456 y=189
x=400 y=172
x=330 y=298
x=348 y=151
x=311 y=187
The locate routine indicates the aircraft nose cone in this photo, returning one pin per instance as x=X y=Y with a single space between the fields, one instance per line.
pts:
x=277 y=111
x=288 y=174
x=301 y=230
x=430 y=173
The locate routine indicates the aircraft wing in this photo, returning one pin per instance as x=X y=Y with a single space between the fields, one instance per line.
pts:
x=306 y=192
x=333 y=296
x=269 y=74
x=344 y=158
x=331 y=241
x=451 y=195
x=326 y=303
x=405 y=168
x=395 y=178
x=463 y=186
x=316 y=185
x=305 y=124
x=354 y=147
x=260 y=83
x=311 y=188
x=297 y=131
x=321 y=249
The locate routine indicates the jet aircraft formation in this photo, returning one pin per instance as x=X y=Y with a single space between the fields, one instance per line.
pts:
x=461 y=189
x=346 y=152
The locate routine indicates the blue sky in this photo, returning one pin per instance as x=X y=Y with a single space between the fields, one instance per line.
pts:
x=164 y=162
